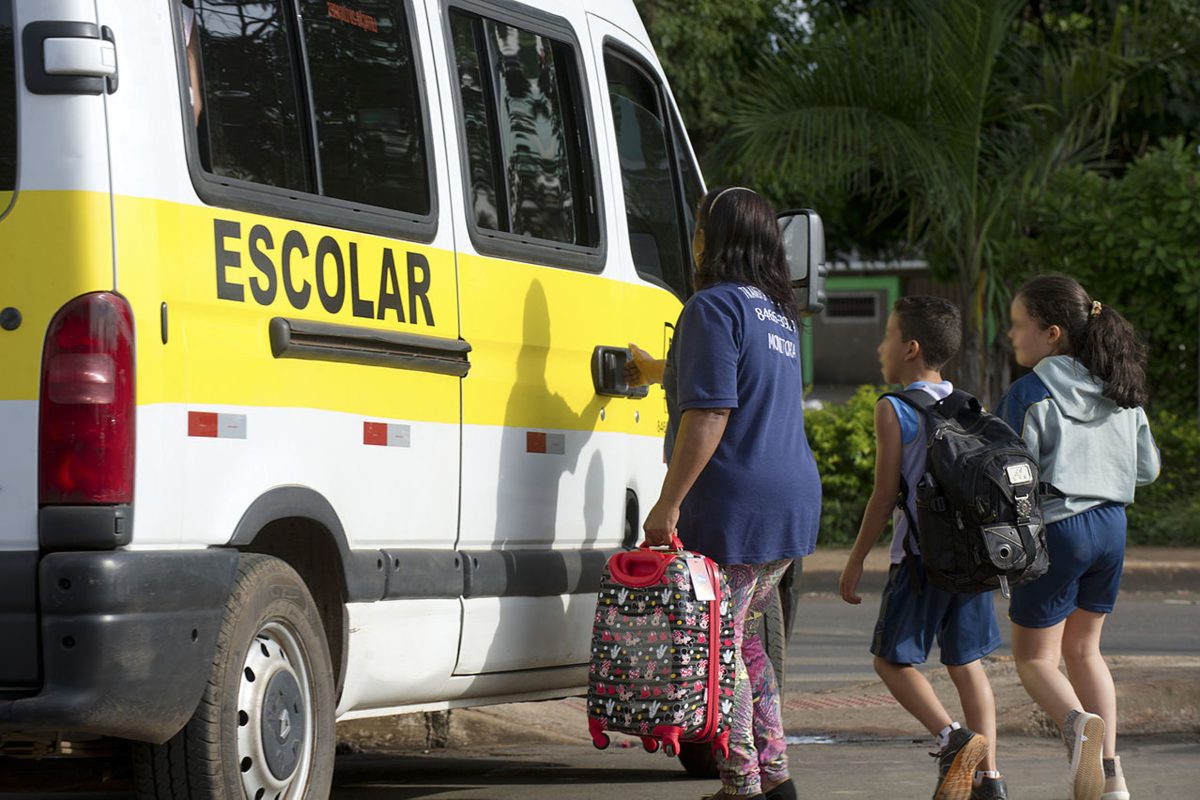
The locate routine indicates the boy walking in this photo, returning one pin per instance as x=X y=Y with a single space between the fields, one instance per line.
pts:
x=923 y=333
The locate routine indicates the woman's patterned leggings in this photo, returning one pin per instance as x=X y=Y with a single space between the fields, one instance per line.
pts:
x=757 y=749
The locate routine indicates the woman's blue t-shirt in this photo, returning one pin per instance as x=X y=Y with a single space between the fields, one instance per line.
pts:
x=759 y=497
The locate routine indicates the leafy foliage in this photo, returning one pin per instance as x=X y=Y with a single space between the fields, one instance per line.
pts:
x=842 y=437
x=708 y=48
x=1167 y=512
x=1132 y=243
x=930 y=108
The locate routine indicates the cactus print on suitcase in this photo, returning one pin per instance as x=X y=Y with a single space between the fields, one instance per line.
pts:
x=657 y=653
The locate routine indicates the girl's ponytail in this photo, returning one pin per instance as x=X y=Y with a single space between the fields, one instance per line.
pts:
x=1099 y=337
x=1111 y=351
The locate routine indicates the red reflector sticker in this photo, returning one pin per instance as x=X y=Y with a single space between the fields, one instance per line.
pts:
x=375 y=433
x=202 y=423
x=208 y=425
x=387 y=434
x=535 y=442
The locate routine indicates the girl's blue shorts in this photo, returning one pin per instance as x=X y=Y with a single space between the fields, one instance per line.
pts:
x=1087 y=554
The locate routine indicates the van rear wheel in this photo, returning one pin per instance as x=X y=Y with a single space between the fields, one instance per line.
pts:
x=264 y=729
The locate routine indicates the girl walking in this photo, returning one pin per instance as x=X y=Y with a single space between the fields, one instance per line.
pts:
x=1080 y=413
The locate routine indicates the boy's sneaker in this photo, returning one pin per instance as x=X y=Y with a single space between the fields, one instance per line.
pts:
x=990 y=789
x=1084 y=736
x=1114 y=780
x=956 y=764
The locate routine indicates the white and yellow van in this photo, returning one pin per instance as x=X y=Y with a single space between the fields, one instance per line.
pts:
x=312 y=321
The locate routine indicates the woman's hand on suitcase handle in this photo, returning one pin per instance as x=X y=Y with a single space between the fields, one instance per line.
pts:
x=661 y=524
x=848 y=584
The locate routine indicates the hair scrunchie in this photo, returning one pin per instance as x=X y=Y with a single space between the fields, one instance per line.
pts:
x=1096 y=306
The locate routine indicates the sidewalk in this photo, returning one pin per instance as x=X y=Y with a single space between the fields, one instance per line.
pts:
x=1156 y=695
x=1147 y=569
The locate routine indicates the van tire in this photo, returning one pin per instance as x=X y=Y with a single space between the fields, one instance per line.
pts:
x=271 y=627
x=697 y=757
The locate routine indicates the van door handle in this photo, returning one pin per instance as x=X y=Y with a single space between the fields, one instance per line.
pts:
x=608 y=373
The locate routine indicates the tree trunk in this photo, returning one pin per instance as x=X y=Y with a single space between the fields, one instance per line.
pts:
x=973 y=376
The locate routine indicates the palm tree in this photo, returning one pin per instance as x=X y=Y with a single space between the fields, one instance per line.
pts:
x=941 y=111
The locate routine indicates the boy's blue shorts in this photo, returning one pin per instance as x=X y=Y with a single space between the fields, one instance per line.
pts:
x=1087 y=555
x=964 y=624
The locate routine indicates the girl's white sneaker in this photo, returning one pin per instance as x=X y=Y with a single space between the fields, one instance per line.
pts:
x=1085 y=745
x=1114 y=780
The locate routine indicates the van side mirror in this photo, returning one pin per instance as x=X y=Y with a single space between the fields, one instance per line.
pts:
x=804 y=243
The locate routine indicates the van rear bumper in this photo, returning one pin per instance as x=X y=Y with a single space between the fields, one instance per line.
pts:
x=127 y=642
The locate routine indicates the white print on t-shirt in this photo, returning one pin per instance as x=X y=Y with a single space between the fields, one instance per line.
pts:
x=771 y=314
x=753 y=292
x=781 y=345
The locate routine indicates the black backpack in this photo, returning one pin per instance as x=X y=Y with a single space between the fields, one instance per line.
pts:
x=978 y=520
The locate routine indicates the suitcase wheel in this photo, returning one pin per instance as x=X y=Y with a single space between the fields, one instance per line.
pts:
x=720 y=745
x=650 y=744
x=596 y=729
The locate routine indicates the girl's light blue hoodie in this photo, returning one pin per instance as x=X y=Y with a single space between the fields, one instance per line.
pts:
x=1090 y=450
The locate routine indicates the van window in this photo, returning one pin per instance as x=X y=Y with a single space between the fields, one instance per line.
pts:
x=692 y=182
x=656 y=215
x=529 y=170
x=8 y=101
x=320 y=97
x=251 y=127
x=367 y=104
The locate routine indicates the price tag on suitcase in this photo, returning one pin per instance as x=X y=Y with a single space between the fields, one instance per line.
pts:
x=701 y=580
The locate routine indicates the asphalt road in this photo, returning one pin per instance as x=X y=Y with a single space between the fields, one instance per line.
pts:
x=894 y=769
x=830 y=641
x=828 y=650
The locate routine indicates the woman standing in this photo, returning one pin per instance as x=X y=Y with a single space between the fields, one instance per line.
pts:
x=742 y=486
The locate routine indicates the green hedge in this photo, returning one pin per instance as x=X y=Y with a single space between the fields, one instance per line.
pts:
x=842 y=437
x=1167 y=512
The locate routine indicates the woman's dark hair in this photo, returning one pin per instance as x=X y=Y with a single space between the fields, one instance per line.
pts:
x=1097 y=335
x=742 y=244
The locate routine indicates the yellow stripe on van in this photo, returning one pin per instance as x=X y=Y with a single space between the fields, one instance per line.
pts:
x=54 y=246
x=221 y=275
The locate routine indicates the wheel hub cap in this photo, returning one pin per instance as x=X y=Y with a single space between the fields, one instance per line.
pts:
x=281 y=739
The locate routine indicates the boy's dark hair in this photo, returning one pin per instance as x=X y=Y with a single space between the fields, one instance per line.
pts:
x=1097 y=335
x=934 y=323
x=742 y=243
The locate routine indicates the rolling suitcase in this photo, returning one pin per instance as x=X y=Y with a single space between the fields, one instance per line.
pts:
x=663 y=660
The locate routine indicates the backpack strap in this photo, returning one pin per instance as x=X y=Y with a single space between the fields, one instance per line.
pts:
x=948 y=407
x=923 y=403
x=918 y=399
x=910 y=558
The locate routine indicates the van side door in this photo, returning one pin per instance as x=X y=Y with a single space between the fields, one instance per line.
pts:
x=659 y=188
x=544 y=461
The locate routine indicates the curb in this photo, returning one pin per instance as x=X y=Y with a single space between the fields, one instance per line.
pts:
x=1147 y=569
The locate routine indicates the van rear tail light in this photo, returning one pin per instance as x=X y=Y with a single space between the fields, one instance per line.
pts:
x=87 y=409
